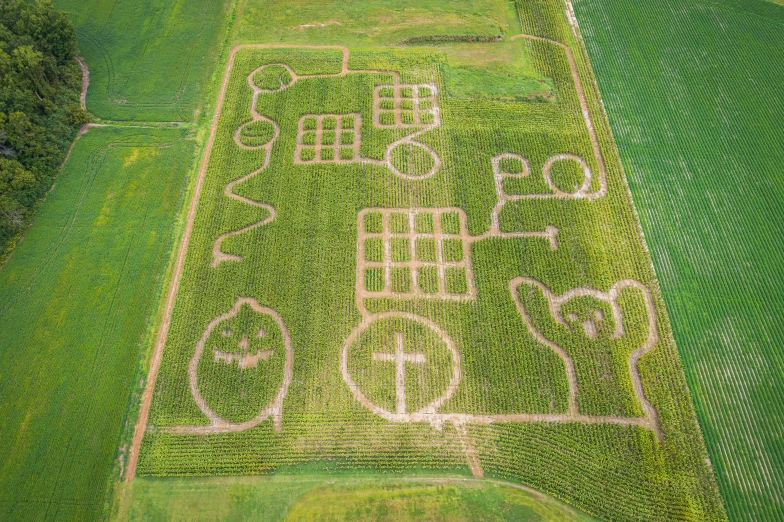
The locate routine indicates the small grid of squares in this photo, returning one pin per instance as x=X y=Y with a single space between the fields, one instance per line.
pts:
x=328 y=138
x=405 y=105
x=415 y=253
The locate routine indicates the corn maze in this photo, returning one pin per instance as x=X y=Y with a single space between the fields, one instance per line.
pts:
x=377 y=275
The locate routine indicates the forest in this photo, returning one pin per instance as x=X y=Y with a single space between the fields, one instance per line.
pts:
x=40 y=112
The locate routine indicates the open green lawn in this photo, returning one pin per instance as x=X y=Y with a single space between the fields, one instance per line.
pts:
x=336 y=498
x=75 y=300
x=370 y=21
x=693 y=90
x=149 y=59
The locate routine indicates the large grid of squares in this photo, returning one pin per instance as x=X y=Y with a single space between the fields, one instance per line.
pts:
x=328 y=138
x=423 y=253
x=405 y=105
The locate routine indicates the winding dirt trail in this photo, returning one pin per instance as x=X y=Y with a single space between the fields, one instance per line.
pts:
x=163 y=332
x=85 y=81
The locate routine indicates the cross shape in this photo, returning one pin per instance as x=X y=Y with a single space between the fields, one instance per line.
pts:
x=400 y=358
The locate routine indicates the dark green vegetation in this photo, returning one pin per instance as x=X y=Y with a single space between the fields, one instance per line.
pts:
x=75 y=298
x=336 y=498
x=149 y=59
x=39 y=107
x=694 y=94
x=79 y=294
x=302 y=263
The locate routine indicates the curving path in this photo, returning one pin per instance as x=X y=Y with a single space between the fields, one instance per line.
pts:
x=597 y=151
x=217 y=254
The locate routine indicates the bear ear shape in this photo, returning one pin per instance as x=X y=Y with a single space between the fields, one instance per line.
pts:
x=261 y=333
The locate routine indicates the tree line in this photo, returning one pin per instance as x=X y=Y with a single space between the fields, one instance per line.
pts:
x=40 y=83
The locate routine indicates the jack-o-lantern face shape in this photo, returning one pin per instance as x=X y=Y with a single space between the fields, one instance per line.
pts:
x=241 y=364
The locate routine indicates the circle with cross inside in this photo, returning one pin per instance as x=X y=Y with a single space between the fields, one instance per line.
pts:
x=401 y=366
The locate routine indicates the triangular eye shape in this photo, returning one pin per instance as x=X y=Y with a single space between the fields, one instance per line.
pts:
x=226 y=332
x=261 y=333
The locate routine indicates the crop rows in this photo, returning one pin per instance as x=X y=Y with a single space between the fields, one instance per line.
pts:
x=388 y=378
x=713 y=113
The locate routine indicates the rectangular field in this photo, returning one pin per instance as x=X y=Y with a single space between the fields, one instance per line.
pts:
x=694 y=94
x=75 y=299
x=150 y=60
x=395 y=266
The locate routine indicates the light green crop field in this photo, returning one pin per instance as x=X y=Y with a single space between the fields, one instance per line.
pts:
x=396 y=265
x=75 y=298
x=694 y=93
x=149 y=59
x=336 y=498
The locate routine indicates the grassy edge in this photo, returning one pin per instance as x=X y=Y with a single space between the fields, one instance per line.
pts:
x=125 y=492
x=115 y=486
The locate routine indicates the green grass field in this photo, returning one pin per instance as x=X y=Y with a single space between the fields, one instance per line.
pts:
x=335 y=498
x=75 y=300
x=149 y=60
x=693 y=92
x=415 y=257
x=79 y=294
x=261 y=372
x=370 y=22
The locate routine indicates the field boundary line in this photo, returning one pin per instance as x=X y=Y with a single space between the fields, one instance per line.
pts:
x=155 y=363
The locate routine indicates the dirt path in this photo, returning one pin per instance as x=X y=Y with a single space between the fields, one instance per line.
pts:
x=85 y=80
x=472 y=456
x=155 y=363
x=83 y=101
x=583 y=105
x=275 y=409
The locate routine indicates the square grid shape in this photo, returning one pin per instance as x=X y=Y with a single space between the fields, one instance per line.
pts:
x=437 y=262
x=405 y=105
x=322 y=143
